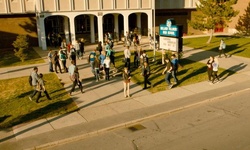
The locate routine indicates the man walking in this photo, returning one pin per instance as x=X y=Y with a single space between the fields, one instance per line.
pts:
x=34 y=77
x=169 y=70
x=175 y=64
x=127 y=55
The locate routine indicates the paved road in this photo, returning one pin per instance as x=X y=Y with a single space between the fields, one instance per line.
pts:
x=215 y=125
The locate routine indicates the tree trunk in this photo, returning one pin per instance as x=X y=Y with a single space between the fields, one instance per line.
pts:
x=211 y=35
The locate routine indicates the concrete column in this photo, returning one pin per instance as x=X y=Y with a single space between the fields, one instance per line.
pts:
x=66 y=29
x=150 y=23
x=38 y=31
x=42 y=34
x=92 y=29
x=72 y=29
x=190 y=3
x=126 y=23
x=138 y=19
x=100 y=28
x=116 y=26
x=57 y=5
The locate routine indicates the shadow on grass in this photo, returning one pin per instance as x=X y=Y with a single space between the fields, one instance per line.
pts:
x=38 y=114
x=4 y=117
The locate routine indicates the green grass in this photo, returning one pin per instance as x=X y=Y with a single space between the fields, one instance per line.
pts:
x=8 y=59
x=235 y=45
x=16 y=107
x=190 y=73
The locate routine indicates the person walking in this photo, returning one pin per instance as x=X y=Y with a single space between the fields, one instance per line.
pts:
x=222 y=48
x=82 y=48
x=102 y=57
x=41 y=88
x=56 y=62
x=97 y=68
x=91 y=60
x=77 y=49
x=75 y=78
x=175 y=65
x=63 y=59
x=34 y=77
x=106 y=67
x=99 y=47
x=215 y=66
x=50 y=57
x=126 y=82
x=168 y=69
x=210 y=68
x=146 y=74
x=127 y=55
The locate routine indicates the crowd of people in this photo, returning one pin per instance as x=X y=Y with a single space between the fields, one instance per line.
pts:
x=102 y=57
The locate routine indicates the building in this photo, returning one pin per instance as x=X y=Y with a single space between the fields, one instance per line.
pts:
x=90 y=19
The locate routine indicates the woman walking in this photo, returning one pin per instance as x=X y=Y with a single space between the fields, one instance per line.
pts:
x=126 y=82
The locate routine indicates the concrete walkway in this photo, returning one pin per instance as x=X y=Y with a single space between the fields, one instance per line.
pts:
x=103 y=107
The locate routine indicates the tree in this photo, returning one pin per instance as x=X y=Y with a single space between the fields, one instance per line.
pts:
x=212 y=13
x=21 y=44
x=243 y=25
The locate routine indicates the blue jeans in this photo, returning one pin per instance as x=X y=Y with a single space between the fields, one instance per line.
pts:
x=174 y=76
x=92 y=66
x=167 y=78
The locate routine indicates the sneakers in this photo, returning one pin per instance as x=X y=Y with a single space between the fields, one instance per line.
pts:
x=30 y=98
x=170 y=86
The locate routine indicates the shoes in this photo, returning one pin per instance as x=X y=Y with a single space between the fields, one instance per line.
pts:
x=30 y=98
x=49 y=99
x=170 y=86
x=144 y=88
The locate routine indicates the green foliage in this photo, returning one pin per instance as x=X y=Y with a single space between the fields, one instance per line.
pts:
x=212 y=13
x=243 y=25
x=21 y=44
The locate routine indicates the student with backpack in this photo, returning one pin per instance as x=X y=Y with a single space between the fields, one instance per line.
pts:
x=75 y=78
x=41 y=88
x=175 y=65
x=33 y=81
x=143 y=58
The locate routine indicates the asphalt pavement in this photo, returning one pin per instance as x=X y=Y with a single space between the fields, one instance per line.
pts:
x=102 y=107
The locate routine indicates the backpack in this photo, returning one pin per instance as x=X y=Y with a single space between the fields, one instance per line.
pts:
x=145 y=58
x=30 y=80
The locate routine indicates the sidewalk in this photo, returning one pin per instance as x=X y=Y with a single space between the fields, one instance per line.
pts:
x=103 y=107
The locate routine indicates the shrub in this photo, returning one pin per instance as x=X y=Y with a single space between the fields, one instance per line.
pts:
x=21 y=45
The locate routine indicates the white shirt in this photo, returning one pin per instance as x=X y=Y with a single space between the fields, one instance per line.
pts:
x=107 y=63
x=71 y=69
x=127 y=53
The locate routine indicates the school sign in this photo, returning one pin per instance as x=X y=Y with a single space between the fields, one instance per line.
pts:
x=171 y=36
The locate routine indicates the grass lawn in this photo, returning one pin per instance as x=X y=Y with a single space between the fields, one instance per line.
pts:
x=234 y=45
x=190 y=73
x=16 y=107
x=8 y=59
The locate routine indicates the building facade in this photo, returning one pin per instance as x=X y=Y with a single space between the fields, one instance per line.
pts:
x=91 y=19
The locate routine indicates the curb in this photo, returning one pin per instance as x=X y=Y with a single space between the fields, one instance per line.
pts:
x=129 y=123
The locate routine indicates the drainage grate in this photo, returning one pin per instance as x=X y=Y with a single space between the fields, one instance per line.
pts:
x=136 y=127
